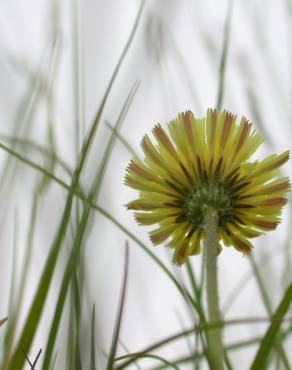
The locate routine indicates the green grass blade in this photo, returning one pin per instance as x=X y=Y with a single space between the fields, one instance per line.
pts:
x=268 y=306
x=138 y=356
x=223 y=59
x=106 y=214
x=121 y=138
x=36 y=309
x=92 y=351
x=84 y=150
x=77 y=309
x=116 y=333
x=23 y=279
x=13 y=294
x=269 y=339
x=75 y=254
x=46 y=153
x=128 y=352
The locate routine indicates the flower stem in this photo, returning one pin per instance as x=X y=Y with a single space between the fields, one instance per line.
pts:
x=215 y=346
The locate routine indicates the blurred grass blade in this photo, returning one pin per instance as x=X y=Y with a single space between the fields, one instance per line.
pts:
x=126 y=144
x=116 y=333
x=9 y=338
x=128 y=352
x=37 y=306
x=92 y=351
x=223 y=59
x=268 y=305
x=82 y=227
x=269 y=339
x=138 y=355
x=77 y=317
x=48 y=154
x=80 y=195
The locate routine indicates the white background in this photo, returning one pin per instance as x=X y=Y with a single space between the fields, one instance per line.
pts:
x=176 y=55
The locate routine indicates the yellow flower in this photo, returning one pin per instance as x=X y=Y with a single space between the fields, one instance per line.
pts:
x=204 y=164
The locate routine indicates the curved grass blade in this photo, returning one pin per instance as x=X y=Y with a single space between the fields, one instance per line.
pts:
x=268 y=305
x=122 y=140
x=116 y=333
x=88 y=201
x=224 y=56
x=150 y=355
x=128 y=352
x=75 y=254
x=269 y=339
x=92 y=350
x=49 y=155
x=23 y=279
x=236 y=346
x=37 y=306
x=107 y=215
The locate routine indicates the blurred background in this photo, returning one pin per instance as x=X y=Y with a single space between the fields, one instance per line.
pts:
x=56 y=61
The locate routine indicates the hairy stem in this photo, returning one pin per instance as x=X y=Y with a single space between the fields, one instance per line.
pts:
x=215 y=347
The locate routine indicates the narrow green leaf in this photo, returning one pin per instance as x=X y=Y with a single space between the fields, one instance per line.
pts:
x=116 y=333
x=92 y=351
x=268 y=305
x=15 y=313
x=82 y=226
x=48 y=154
x=37 y=306
x=138 y=356
x=106 y=214
x=121 y=138
x=223 y=59
x=269 y=339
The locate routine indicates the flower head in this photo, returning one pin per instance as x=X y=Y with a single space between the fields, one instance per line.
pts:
x=203 y=164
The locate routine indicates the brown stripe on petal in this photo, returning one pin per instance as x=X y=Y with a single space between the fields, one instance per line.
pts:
x=226 y=128
x=232 y=173
x=218 y=167
x=274 y=201
x=282 y=186
x=151 y=152
x=134 y=167
x=238 y=219
x=191 y=232
x=233 y=179
x=160 y=236
x=266 y=224
x=241 y=244
x=211 y=164
x=282 y=158
x=139 y=205
x=273 y=163
x=243 y=206
x=186 y=172
x=161 y=136
x=180 y=218
x=180 y=254
x=174 y=204
x=188 y=126
x=174 y=186
x=240 y=186
x=243 y=135
x=199 y=165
